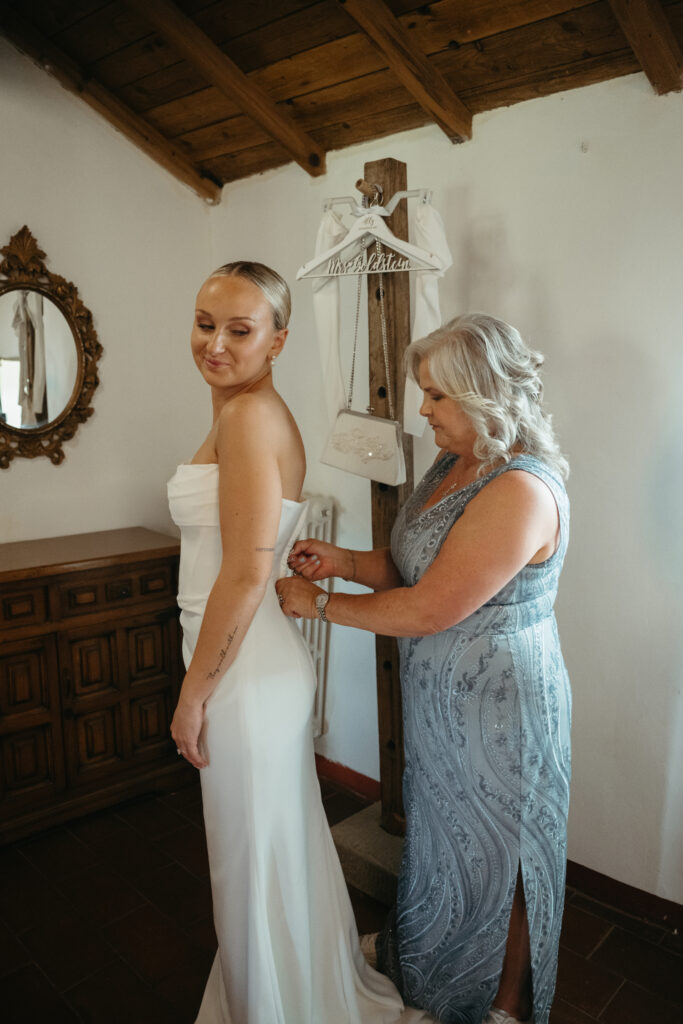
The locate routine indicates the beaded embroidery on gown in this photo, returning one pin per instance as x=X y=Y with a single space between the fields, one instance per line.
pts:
x=288 y=947
x=486 y=717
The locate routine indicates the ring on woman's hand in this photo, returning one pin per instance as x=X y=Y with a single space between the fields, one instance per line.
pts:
x=281 y=599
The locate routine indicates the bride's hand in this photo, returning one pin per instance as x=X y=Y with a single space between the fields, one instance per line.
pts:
x=297 y=597
x=185 y=729
x=315 y=560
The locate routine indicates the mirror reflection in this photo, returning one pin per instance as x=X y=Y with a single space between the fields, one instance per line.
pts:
x=38 y=359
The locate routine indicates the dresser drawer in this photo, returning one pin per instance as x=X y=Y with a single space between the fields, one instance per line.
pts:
x=95 y=591
x=22 y=605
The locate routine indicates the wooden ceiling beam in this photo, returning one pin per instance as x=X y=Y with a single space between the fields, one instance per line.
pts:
x=651 y=38
x=305 y=80
x=58 y=64
x=411 y=67
x=301 y=45
x=190 y=42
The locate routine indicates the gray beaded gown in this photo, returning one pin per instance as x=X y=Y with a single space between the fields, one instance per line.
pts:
x=486 y=717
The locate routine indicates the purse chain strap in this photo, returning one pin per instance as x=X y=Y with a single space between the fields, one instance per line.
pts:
x=385 y=343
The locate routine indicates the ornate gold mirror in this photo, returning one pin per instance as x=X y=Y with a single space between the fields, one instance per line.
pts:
x=48 y=355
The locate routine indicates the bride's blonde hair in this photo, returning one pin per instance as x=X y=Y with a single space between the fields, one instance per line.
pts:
x=484 y=365
x=273 y=286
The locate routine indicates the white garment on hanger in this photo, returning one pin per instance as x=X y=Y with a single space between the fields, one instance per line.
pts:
x=327 y=317
x=429 y=234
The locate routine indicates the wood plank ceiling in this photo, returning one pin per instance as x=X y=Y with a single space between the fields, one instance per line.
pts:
x=216 y=91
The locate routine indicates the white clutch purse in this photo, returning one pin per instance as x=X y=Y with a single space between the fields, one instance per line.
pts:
x=366 y=445
x=360 y=443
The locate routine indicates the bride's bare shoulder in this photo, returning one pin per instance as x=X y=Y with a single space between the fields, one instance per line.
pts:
x=252 y=405
x=257 y=427
x=264 y=412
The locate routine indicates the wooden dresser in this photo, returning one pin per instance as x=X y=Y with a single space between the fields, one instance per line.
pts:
x=90 y=668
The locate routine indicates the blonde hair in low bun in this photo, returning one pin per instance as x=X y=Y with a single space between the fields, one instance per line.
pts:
x=273 y=286
x=484 y=364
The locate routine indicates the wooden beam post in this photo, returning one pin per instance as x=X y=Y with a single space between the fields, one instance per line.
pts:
x=57 y=63
x=190 y=42
x=412 y=67
x=391 y=175
x=651 y=38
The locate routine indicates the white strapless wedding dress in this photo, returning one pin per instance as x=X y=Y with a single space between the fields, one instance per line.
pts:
x=288 y=948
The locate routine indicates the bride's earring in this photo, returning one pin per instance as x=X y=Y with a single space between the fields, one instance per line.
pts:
x=272 y=359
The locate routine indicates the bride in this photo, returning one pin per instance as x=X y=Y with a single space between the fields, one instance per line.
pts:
x=288 y=950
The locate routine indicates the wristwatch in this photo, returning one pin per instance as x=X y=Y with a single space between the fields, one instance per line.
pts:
x=320 y=606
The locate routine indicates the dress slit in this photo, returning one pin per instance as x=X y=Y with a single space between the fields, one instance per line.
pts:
x=519 y=887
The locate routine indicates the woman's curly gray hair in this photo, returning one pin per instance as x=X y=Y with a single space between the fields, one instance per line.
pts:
x=484 y=365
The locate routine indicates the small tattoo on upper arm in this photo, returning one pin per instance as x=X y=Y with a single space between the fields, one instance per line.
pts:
x=223 y=652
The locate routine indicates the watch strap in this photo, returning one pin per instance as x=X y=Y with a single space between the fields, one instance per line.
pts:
x=320 y=606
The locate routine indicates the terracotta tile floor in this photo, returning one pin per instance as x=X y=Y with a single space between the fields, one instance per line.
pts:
x=108 y=921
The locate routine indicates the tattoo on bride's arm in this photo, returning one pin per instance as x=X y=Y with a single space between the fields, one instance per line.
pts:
x=221 y=657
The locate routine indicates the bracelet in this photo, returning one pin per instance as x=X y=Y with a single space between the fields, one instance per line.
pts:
x=353 y=566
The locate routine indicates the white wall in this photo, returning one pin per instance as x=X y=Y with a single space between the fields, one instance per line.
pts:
x=564 y=216
x=136 y=244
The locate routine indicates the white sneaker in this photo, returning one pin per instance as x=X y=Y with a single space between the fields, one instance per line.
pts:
x=497 y=1016
x=368 y=947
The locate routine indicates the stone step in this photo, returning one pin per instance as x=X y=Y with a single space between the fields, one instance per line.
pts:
x=370 y=857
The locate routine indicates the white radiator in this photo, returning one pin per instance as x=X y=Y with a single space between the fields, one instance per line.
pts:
x=319 y=523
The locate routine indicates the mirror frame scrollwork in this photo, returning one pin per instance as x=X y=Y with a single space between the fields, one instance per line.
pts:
x=23 y=268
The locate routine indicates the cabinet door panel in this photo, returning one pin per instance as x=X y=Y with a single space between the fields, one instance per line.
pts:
x=31 y=757
x=148 y=652
x=26 y=759
x=150 y=724
x=94 y=743
x=93 y=664
x=24 y=681
x=30 y=774
x=151 y=650
x=94 y=726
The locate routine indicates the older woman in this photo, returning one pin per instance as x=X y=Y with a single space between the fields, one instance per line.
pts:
x=468 y=586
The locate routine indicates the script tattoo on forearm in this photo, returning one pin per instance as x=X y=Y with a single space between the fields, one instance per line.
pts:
x=221 y=657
